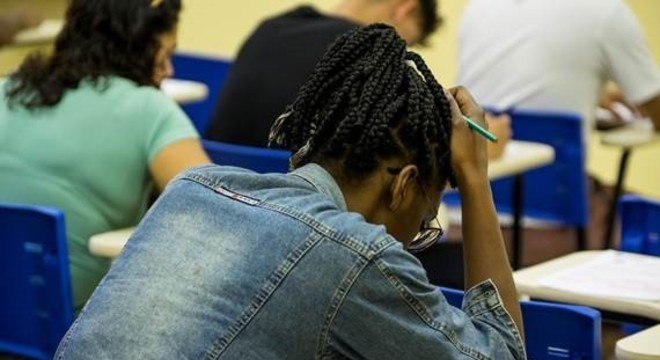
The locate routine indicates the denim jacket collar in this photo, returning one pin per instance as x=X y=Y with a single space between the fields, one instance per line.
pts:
x=324 y=182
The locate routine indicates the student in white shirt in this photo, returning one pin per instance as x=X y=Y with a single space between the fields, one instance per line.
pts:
x=556 y=55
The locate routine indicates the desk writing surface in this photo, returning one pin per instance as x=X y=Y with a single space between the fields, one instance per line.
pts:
x=614 y=274
x=519 y=157
x=633 y=135
x=527 y=283
x=185 y=91
x=640 y=346
x=44 y=33
x=109 y=244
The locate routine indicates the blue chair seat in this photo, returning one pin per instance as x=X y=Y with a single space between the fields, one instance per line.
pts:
x=554 y=331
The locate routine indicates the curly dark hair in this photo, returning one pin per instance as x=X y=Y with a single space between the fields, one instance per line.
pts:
x=100 y=38
x=369 y=99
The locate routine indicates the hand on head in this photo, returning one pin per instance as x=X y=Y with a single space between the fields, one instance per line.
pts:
x=469 y=156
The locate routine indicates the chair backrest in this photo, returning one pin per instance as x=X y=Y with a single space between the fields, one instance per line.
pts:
x=208 y=70
x=556 y=192
x=454 y=297
x=554 y=331
x=560 y=331
x=36 y=306
x=262 y=160
x=640 y=225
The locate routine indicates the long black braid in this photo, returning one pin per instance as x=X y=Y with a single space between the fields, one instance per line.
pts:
x=369 y=99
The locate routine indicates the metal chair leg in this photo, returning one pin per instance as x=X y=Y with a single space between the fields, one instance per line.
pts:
x=581 y=237
x=608 y=241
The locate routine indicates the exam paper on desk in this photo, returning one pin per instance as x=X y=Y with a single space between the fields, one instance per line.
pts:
x=612 y=274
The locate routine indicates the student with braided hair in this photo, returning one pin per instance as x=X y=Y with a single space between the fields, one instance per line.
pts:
x=315 y=263
x=281 y=53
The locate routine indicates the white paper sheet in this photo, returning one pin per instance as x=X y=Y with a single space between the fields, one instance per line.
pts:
x=612 y=274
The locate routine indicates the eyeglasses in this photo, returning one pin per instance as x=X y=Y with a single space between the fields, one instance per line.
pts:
x=430 y=230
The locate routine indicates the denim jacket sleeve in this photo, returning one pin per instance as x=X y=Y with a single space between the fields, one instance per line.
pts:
x=393 y=301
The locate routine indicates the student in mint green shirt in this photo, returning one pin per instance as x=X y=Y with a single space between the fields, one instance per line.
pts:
x=88 y=131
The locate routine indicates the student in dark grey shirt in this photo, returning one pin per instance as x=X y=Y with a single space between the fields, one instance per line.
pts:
x=281 y=53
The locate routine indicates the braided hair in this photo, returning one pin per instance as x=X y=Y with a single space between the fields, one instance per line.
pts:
x=369 y=99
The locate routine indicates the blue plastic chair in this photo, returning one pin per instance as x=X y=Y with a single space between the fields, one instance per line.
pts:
x=36 y=303
x=262 y=160
x=640 y=233
x=208 y=70
x=556 y=192
x=640 y=225
x=560 y=331
x=454 y=297
x=554 y=331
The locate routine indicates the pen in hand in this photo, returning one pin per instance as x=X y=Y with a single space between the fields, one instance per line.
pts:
x=481 y=131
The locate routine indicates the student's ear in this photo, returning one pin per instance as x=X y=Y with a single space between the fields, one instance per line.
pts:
x=402 y=186
x=403 y=9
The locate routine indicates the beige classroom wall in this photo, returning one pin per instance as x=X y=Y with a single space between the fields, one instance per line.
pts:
x=218 y=27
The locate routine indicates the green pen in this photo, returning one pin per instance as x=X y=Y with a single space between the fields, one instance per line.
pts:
x=481 y=131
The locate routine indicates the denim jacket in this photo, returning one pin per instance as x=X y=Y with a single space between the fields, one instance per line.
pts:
x=230 y=264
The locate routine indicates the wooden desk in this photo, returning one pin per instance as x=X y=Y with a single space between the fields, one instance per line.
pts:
x=527 y=283
x=185 y=91
x=518 y=158
x=634 y=135
x=45 y=33
x=641 y=346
